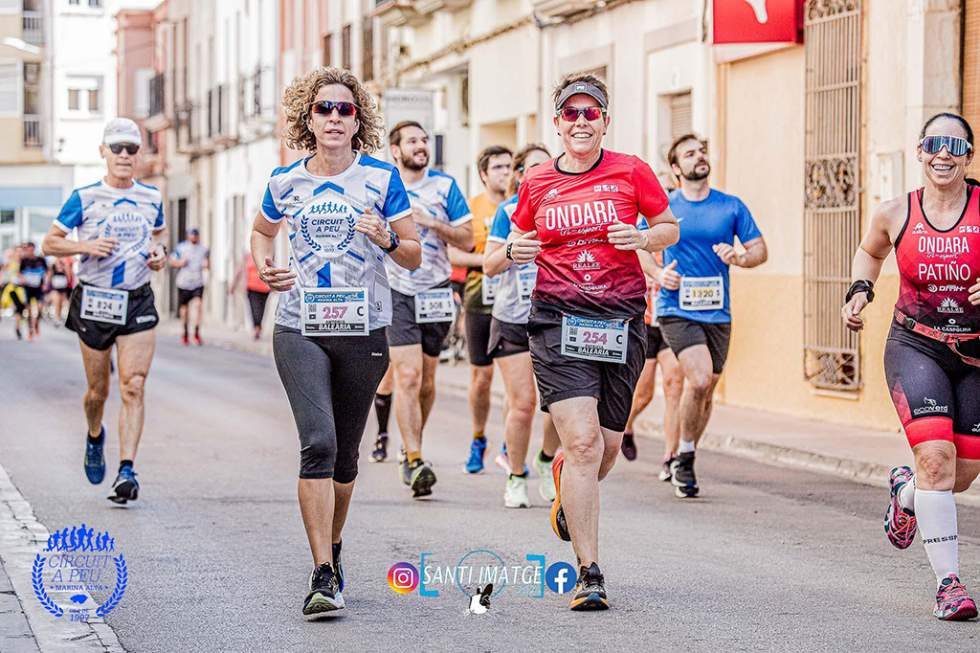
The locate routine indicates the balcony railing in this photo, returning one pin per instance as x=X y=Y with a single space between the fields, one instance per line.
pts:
x=33 y=27
x=158 y=85
x=32 y=131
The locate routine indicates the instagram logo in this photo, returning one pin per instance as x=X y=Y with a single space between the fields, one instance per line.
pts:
x=403 y=577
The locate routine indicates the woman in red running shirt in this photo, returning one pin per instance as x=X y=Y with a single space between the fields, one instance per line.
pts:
x=932 y=357
x=576 y=218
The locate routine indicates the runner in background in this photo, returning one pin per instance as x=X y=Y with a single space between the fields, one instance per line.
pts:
x=494 y=166
x=422 y=299
x=13 y=295
x=33 y=274
x=120 y=236
x=694 y=302
x=191 y=259
x=60 y=283
x=256 y=290
x=673 y=378
x=508 y=346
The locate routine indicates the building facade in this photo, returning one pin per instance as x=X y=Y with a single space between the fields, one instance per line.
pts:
x=811 y=135
x=57 y=90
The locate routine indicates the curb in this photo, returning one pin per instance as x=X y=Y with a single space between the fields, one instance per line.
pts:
x=874 y=474
x=21 y=536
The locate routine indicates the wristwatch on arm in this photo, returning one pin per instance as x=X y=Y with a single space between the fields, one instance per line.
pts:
x=395 y=242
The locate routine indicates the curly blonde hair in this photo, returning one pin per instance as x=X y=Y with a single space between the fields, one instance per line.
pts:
x=300 y=95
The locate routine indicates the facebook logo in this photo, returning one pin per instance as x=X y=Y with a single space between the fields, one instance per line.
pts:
x=560 y=577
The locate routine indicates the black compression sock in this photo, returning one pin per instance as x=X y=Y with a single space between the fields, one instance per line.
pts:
x=524 y=475
x=545 y=457
x=97 y=439
x=382 y=406
x=125 y=463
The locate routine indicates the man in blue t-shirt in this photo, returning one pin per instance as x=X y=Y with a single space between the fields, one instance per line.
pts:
x=694 y=306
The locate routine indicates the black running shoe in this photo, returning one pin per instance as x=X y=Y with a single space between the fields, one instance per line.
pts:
x=336 y=563
x=665 y=473
x=590 y=590
x=125 y=487
x=683 y=479
x=324 y=596
x=423 y=478
x=629 y=446
x=380 y=453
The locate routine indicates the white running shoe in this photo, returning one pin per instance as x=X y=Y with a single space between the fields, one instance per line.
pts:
x=515 y=496
x=547 y=485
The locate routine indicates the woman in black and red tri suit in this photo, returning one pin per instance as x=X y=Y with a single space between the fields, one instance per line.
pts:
x=932 y=356
x=576 y=216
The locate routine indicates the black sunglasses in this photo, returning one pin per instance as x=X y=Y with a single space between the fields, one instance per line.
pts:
x=326 y=107
x=131 y=148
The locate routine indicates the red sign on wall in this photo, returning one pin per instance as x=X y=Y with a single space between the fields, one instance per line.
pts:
x=758 y=21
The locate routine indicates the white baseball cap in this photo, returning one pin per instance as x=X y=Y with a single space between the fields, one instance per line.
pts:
x=121 y=130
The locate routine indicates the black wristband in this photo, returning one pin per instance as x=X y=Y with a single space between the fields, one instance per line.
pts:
x=509 y=253
x=395 y=242
x=861 y=285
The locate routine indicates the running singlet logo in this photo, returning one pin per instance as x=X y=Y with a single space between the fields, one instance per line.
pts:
x=328 y=227
x=938 y=266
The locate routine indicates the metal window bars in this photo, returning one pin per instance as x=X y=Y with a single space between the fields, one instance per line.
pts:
x=832 y=214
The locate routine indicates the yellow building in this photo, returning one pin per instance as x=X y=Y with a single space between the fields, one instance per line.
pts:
x=811 y=136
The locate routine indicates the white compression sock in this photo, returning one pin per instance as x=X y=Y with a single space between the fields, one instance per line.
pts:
x=906 y=496
x=685 y=447
x=936 y=514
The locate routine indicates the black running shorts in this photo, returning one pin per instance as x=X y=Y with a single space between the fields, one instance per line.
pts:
x=185 y=296
x=477 y=327
x=655 y=342
x=562 y=377
x=404 y=330
x=936 y=394
x=141 y=315
x=507 y=339
x=681 y=333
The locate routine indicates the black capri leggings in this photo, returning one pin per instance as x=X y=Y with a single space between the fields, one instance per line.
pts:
x=256 y=302
x=330 y=382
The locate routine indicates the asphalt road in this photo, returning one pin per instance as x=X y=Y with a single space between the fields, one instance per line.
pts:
x=768 y=559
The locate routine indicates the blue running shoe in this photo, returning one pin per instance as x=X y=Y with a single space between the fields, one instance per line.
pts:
x=95 y=458
x=126 y=487
x=478 y=447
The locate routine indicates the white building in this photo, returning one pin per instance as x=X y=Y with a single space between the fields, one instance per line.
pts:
x=217 y=122
x=59 y=64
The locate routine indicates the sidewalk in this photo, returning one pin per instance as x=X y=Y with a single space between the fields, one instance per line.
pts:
x=863 y=455
x=15 y=633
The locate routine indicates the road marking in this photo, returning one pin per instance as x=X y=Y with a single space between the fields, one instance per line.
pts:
x=22 y=536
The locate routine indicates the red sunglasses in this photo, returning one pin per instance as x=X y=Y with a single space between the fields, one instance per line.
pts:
x=326 y=107
x=571 y=114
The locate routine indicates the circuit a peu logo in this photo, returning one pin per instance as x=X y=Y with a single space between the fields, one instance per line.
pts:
x=76 y=562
